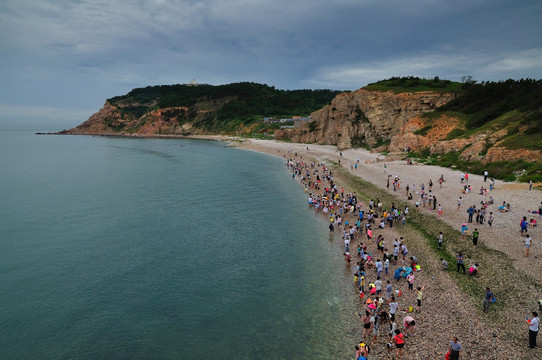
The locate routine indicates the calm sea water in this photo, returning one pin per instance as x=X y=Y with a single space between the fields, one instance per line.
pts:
x=121 y=248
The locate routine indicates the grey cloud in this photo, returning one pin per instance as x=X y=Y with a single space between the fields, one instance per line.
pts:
x=85 y=51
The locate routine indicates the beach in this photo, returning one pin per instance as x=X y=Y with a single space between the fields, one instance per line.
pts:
x=448 y=307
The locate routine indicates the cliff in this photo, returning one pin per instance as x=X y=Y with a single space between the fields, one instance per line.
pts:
x=366 y=118
x=238 y=108
x=437 y=121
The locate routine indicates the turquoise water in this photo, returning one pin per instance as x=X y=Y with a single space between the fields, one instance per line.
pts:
x=124 y=248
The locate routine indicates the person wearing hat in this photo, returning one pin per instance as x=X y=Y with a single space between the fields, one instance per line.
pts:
x=533 y=323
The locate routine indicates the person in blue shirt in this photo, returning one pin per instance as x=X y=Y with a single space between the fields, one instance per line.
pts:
x=487 y=299
x=455 y=349
x=470 y=211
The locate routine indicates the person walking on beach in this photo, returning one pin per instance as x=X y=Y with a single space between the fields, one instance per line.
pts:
x=487 y=299
x=455 y=349
x=534 y=324
x=490 y=219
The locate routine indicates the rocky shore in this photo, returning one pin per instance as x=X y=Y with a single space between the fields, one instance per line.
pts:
x=452 y=301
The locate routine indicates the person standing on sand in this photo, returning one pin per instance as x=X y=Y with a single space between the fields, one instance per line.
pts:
x=534 y=324
x=455 y=349
x=475 y=235
x=485 y=175
x=523 y=225
x=487 y=300
x=470 y=211
x=420 y=297
x=530 y=185
x=464 y=230
x=366 y=320
x=459 y=203
x=399 y=341
x=394 y=305
x=490 y=219
x=410 y=281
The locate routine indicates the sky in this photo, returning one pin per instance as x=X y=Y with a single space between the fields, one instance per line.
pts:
x=61 y=59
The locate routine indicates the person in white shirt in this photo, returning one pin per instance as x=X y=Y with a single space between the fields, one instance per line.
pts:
x=378 y=285
x=533 y=329
x=393 y=308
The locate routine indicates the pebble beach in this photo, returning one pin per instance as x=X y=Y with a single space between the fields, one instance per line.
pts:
x=448 y=308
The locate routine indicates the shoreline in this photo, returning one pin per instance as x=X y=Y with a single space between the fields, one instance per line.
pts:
x=502 y=333
x=443 y=286
x=144 y=136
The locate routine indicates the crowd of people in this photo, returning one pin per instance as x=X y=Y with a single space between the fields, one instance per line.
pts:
x=382 y=273
x=360 y=225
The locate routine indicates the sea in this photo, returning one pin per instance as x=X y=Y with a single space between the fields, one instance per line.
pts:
x=140 y=248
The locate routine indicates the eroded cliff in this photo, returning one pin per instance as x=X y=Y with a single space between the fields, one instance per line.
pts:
x=365 y=118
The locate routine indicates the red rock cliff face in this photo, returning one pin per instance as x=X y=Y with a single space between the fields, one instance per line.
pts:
x=109 y=114
x=110 y=120
x=363 y=118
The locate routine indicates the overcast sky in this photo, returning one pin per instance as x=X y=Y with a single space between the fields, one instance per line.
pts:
x=62 y=58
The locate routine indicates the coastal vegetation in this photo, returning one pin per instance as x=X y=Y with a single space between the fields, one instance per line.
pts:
x=220 y=109
x=410 y=84
x=511 y=108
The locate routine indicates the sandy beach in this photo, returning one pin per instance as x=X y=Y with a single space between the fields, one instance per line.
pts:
x=447 y=310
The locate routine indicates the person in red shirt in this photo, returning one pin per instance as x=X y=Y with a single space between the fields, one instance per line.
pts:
x=399 y=342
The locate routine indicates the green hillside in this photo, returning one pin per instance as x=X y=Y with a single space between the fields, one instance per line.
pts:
x=412 y=84
x=512 y=107
x=224 y=107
